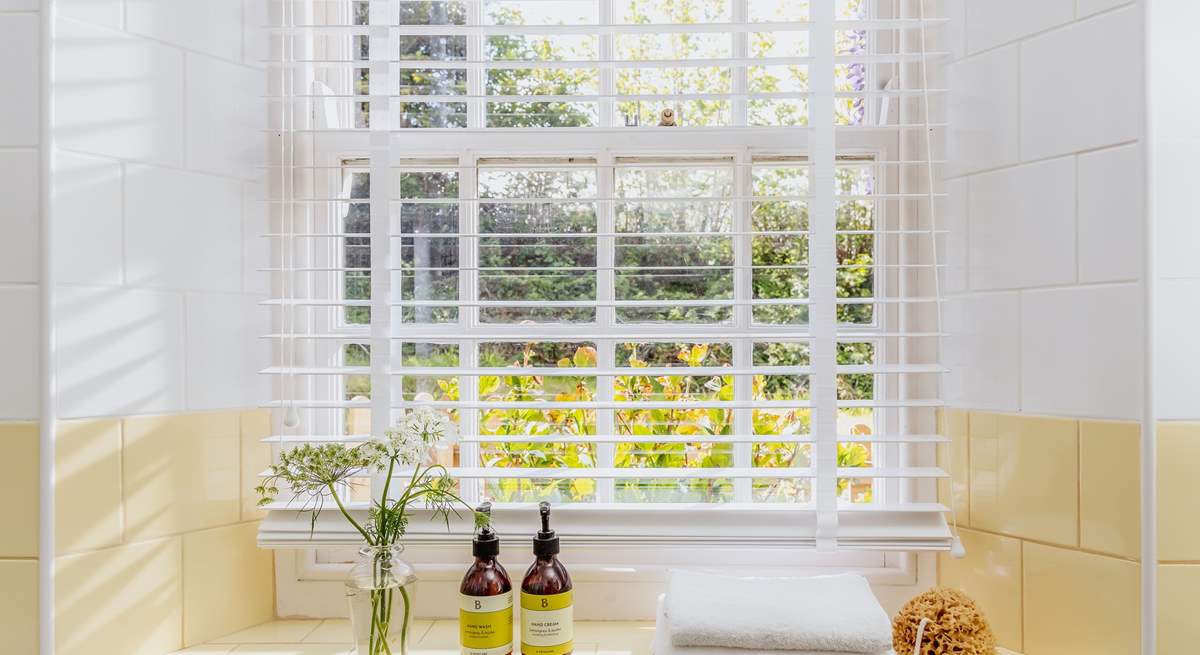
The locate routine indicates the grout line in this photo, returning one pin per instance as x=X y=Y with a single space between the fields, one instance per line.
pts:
x=1050 y=544
x=1038 y=160
x=1043 y=32
x=150 y=163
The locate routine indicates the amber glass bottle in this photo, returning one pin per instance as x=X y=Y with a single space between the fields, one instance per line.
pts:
x=547 y=612
x=485 y=614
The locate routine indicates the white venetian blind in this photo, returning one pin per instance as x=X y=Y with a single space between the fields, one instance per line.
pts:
x=476 y=210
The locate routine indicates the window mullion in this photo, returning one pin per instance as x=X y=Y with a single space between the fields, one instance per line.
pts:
x=741 y=72
x=608 y=80
x=605 y=317
x=476 y=82
x=468 y=319
x=743 y=291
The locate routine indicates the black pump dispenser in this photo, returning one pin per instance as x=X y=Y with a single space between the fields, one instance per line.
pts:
x=486 y=542
x=546 y=542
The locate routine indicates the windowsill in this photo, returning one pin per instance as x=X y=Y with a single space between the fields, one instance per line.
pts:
x=331 y=637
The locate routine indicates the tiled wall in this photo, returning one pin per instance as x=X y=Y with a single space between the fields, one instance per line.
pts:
x=1048 y=512
x=156 y=531
x=156 y=242
x=20 y=110
x=1046 y=316
x=1046 y=213
x=158 y=124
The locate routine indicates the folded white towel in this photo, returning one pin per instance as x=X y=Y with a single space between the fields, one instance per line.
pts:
x=825 y=613
x=662 y=643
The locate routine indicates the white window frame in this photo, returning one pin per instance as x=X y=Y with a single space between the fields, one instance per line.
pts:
x=305 y=571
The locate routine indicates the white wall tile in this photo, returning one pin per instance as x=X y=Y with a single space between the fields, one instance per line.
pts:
x=19 y=79
x=182 y=230
x=19 y=219
x=87 y=220
x=1176 y=207
x=256 y=41
x=991 y=23
x=1088 y=7
x=1111 y=215
x=225 y=119
x=952 y=217
x=256 y=251
x=19 y=347
x=1176 y=349
x=224 y=351
x=1081 y=351
x=982 y=351
x=98 y=12
x=118 y=95
x=121 y=351
x=983 y=112
x=1022 y=226
x=211 y=26
x=20 y=5
x=1081 y=86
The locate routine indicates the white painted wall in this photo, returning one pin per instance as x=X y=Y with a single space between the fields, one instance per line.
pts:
x=1046 y=251
x=158 y=134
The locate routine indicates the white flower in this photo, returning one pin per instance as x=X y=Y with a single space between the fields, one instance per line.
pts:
x=409 y=441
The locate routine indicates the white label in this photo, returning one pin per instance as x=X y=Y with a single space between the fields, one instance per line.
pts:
x=547 y=628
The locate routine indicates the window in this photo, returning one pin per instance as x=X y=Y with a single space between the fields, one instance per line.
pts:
x=736 y=311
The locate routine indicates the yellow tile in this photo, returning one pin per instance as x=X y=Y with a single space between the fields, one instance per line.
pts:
x=1025 y=476
x=88 y=485
x=228 y=582
x=1077 y=603
x=181 y=473
x=1178 y=494
x=286 y=631
x=19 y=480
x=256 y=455
x=952 y=457
x=1109 y=487
x=120 y=601
x=990 y=574
x=18 y=606
x=1178 y=604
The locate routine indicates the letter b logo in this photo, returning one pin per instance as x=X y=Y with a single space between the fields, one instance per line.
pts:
x=545 y=602
x=478 y=605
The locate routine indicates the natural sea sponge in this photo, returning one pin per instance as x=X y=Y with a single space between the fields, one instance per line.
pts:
x=956 y=625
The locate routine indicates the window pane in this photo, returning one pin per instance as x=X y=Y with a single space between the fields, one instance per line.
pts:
x=856 y=420
x=678 y=218
x=542 y=203
x=356 y=250
x=646 y=424
x=779 y=253
x=429 y=263
x=509 y=385
x=855 y=243
x=782 y=423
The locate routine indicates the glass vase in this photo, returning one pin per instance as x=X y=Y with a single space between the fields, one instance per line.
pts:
x=381 y=590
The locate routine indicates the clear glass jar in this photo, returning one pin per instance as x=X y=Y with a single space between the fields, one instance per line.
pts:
x=381 y=590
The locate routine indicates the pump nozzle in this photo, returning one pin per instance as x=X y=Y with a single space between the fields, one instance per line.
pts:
x=546 y=541
x=486 y=543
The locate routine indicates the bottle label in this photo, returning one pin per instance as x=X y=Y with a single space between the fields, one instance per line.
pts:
x=485 y=624
x=547 y=624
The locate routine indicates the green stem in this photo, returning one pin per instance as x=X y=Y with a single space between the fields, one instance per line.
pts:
x=346 y=513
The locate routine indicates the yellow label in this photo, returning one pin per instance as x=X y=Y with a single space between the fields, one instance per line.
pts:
x=547 y=624
x=485 y=624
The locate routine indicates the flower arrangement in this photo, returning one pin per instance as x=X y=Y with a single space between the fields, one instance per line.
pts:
x=321 y=472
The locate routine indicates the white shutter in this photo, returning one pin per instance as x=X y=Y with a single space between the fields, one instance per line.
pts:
x=737 y=316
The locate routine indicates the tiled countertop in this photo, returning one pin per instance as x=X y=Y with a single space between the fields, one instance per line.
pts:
x=331 y=636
